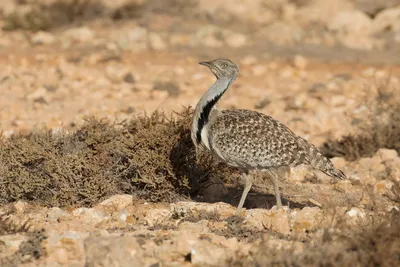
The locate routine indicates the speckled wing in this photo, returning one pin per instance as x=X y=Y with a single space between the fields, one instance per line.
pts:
x=249 y=139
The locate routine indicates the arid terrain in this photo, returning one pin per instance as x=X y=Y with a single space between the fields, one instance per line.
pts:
x=97 y=167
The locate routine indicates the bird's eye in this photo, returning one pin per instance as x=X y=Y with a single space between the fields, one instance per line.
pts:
x=224 y=65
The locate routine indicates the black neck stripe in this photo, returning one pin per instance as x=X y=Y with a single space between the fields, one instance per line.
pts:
x=203 y=119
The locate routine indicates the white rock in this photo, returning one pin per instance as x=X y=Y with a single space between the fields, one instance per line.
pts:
x=156 y=42
x=90 y=216
x=81 y=34
x=351 y=22
x=236 y=40
x=207 y=36
x=113 y=251
x=300 y=62
x=43 y=38
x=20 y=206
x=12 y=242
x=355 y=213
x=55 y=213
x=118 y=201
x=383 y=187
x=388 y=19
x=387 y=154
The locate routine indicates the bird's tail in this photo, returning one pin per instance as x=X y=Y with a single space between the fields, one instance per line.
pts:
x=335 y=173
x=322 y=163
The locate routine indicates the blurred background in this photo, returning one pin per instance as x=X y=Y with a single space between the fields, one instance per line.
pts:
x=313 y=64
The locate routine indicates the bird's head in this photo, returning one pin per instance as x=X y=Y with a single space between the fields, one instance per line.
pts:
x=222 y=68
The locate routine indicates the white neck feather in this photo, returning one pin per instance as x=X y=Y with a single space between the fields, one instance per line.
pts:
x=203 y=108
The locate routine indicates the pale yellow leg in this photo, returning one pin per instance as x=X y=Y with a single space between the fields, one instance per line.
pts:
x=247 y=187
x=275 y=180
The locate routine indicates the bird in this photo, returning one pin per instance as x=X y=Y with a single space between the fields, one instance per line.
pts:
x=250 y=140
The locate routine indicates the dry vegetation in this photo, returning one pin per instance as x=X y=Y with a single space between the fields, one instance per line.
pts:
x=45 y=15
x=151 y=157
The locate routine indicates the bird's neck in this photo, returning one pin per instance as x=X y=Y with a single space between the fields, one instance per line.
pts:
x=205 y=105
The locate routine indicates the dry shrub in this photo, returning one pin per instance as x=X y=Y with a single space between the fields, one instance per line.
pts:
x=379 y=126
x=377 y=244
x=35 y=15
x=150 y=156
x=41 y=15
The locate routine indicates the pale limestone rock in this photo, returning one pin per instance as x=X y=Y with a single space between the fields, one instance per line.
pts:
x=383 y=187
x=118 y=201
x=156 y=42
x=89 y=215
x=154 y=216
x=387 y=20
x=54 y=214
x=20 y=206
x=236 y=40
x=43 y=38
x=113 y=251
x=387 y=154
x=300 y=62
x=81 y=34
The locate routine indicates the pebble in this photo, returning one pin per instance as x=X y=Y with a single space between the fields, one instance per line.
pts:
x=236 y=40
x=156 y=42
x=80 y=34
x=300 y=62
x=43 y=38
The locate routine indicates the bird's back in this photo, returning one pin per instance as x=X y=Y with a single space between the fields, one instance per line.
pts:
x=252 y=140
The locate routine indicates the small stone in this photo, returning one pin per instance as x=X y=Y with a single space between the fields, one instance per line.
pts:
x=39 y=93
x=387 y=154
x=12 y=242
x=156 y=42
x=114 y=74
x=344 y=186
x=20 y=206
x=89 y=216
x=54 y=214
x=133 y=39
x=382 y=187
x=210 y=36
x=154 y=216
x=387 y=20
x=236 y=40
x=249 y=60
x=351 y=22
x=43 y=38
x=258 y=70
x=179 y=39
x=118 y=201
x=300 y=62
x=356 y=213
x=273 y=219
x=81 y=34
x=129 y=78
x=61 y=255
x=113 y=251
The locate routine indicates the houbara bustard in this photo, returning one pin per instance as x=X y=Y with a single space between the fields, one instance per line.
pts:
x=247 y=139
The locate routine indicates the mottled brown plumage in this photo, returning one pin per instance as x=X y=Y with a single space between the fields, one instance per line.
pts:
x=248 y=139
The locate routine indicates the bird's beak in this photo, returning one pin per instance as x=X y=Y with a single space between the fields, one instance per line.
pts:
x=205 y=63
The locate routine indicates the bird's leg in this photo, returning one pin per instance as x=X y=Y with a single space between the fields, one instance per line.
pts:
x=247 y=186
x=275 y=180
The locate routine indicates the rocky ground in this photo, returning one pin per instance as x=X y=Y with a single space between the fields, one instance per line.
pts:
x=327 y=69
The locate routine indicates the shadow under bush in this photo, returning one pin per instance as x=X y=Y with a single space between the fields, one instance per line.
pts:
x=151 y=157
